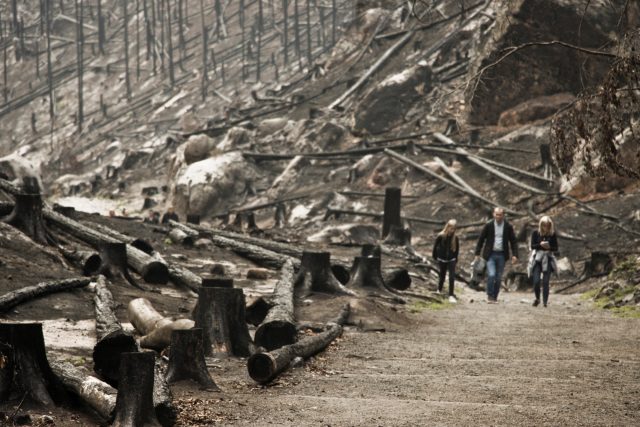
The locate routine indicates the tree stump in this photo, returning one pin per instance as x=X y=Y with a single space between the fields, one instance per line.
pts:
x=398 y=236
x=27 y=212
x=315 y=274
x=280 y=216
x=392 y=200
x=114 y=262
x=134 y=404
x=367 y=250
x=186 y=359
x=600 y=263
x=278 y=328
x=33 y=374
x=220 y=313
x=112 y=340
x=6 y=371
x=217 y=282
x=368 y=277
x=341 y=273
x=193 y=219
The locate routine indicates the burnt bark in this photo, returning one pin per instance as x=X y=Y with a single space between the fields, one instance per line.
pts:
x=27 y=212
x=112 y=340
x=98 y=395
x=186 y=359
x=166 y=411
x=265 y=367
x=134 y=403
x=183 y=277
x=11 y=299
x=278 y=328
x=396 y=278
x=180 y=237
x=368 y=277
x=315 y=275
x=33 y=375
x=220 y=312
x=398 y=236
x=114 y=261
x=87 y=261
x=6 y=371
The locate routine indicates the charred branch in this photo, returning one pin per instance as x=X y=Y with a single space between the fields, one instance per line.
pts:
x=11 y=299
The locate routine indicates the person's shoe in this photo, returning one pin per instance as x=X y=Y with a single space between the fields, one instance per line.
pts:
x=438 y=292
x=536 y=302
x=492 y=300
x=545 y=304
x=452 y=299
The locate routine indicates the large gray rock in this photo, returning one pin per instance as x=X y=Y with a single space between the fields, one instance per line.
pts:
x=385 y=106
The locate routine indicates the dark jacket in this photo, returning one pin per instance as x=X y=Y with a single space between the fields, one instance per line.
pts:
x=487 y=238
x=536 y=239
x=442 y=248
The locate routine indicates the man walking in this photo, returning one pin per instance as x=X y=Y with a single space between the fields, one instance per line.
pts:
x=495 y=242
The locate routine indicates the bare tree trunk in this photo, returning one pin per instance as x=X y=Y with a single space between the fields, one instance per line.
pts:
x=285 y=11
x=172 y=77
x=126 y=48
x=80 y=48
x=309 y=53
x=137 y=39
x=296 y=24
x=153 y=36
x=204 y=52
x=49 y=67
x=278 y=328
x=392 y=201
x=101 y=35
x=5 y=32
x=334 y=20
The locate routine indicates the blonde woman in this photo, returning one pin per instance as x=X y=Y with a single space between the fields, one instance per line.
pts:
x=542 y=262
x=445 y=252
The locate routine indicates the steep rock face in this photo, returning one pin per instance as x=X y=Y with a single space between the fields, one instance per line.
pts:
x=540 y=70
x=385 y=106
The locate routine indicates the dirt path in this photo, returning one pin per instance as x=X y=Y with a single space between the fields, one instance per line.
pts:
x=480 y=364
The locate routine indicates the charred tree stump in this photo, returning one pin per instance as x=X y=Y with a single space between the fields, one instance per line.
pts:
x=87 y=261
x=186 y=359
x=398 y=236
x=114 y=261
x=220 y=313
x=341 y=272
x=166 y=411
x=396 y=278
x=11 y=299
x=280 y=215
x=134 y=403
x=217 y=282
x=112 y=340
x=98 y=395
x=368 y=277
x=392 y=200
x=315 y=274
x=265 y=367
x=155 y=328
x=278 y=328
x=6 y=371
x=27 y=212
x=33 y=374
x=193 y=219
x=367 y=250
x=600 y=264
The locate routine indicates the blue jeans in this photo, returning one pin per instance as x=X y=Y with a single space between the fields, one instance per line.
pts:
x=495 y=267
x=538 y=274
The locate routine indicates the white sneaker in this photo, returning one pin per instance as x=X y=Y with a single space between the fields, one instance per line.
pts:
x=453 y=299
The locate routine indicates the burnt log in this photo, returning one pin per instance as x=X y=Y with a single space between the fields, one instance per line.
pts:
x=155 y=328
x=186 y=359
x=257 y=310
x=11 y=299
x=265 y=367
x=396 y=278
x=315 y=275
x=87 y=261
x=33 y=376
x=6 y=371
x=278 y=328
x=96 y=394
x=185 y=278
x=151 y=269
x=112 y=339
x=134 y=402
x=220 y=313
x=27 y=212
x=166 y=411
x=180 y=237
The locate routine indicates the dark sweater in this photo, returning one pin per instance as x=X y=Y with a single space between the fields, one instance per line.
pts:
x=487 y=238
x=536 y=239
x=442 y=248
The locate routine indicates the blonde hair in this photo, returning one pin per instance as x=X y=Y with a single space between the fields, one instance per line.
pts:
x=546 y=220
x=451 y=224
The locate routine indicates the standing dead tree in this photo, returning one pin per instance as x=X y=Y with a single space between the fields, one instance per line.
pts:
x=112 y=339
x=265 y=367
x=279 y=328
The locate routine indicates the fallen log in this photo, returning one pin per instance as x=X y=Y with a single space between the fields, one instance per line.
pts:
x=315 y=275
x=87 y=261
x=396 y=278
x=278 y=328
x=186 y=359
x=220 y=313
x=134 y=402
x=265 y=367
x=137 y=243
x=98 y=395
x=155 y=328
x=184 y=277
x=33 y=376
x=112 y=339
x=180 y=237
x=11 y=299
x=149 y=268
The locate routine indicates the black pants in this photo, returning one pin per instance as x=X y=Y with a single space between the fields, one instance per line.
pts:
x=444 y=267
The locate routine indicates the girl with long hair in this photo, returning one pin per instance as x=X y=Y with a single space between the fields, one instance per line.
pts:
x=445 y=252
x=542 y=262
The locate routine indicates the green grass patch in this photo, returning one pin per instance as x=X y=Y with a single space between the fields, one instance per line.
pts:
x=420 y=306
x=590 y=294
x=627 y=311
x=625 y=269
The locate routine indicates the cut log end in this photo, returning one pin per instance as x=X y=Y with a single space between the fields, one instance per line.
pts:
x=156 y=272
x=262 y=367
x=275 y=334
x=106 y=354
